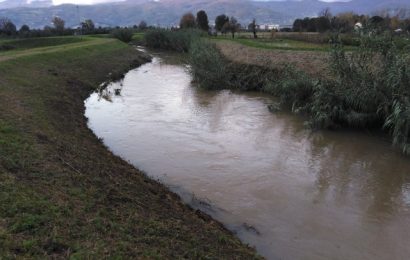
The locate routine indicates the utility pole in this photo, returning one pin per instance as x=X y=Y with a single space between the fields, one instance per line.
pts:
x=79 y=22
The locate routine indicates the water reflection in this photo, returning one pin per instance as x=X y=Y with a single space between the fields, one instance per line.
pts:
x=292 y=193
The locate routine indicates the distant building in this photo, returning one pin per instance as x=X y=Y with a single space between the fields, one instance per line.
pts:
x=269 y=27
x=358 y=26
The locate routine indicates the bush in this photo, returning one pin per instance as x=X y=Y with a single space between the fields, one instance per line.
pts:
x=293 y=87
x=370 y=89
x=123 y=34
x=207 y=65
x=179 y=41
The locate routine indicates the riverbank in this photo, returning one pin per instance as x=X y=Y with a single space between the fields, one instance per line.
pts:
x=62 y=193
x=262 y=174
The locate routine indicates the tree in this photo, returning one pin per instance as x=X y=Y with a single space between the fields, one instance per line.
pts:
x=7 y=27
x=394 y=23
x=24 y=30
x=378 y=23
x=311 y=24
x=220 y=22
x=58 y=23
x=326 y=13
x=407 y=25
x=187 y=21
x=345 y=22
x=226 y=28
x=322 y=24
x=233 y=26
x=202 y=20
x=87 y=26
x=143 y=25
x=252 y=27
x=298 y=25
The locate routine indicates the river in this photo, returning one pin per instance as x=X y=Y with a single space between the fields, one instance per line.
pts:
x=290 y=192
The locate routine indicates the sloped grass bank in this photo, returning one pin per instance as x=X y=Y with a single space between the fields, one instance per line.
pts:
x=62 y=193
x=29 y=43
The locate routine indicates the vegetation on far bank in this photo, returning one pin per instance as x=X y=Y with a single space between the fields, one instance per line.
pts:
x=367 y=88
x=62 y=193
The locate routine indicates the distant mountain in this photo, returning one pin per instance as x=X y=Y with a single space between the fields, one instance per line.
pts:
x=168 y=12
x=7 y=4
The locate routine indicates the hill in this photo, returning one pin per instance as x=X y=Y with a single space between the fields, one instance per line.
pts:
x=168 y=12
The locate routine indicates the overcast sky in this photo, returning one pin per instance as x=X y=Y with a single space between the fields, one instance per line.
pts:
x=56 y=2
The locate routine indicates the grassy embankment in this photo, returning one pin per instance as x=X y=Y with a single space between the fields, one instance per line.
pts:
x=277 y=44
x=62 y=193
x=364 y=89
x=290 y=41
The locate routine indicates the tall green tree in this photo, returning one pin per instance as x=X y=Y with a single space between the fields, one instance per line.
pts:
x=202 y=20
x=322 y=24
x=298 y=25
x=220 y=21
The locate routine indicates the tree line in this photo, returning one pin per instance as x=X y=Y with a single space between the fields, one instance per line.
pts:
x=57 y=28
x=349 y=22
x=223 y=23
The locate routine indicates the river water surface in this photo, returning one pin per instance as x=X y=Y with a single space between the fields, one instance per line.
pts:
x=291 y=193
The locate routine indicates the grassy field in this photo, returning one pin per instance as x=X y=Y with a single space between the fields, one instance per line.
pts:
x=277 y=44
x=314 y=63
x=22 y=44
x=62 y=193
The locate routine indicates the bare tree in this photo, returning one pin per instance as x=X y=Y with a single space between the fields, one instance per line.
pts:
x=326 y=13
x=7 y=27
x=252 y=27
x=234 y=26
x=58 y=23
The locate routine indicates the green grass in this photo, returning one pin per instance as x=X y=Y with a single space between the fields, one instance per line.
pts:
x=62 y=193
x=277 y=44
x=280 y=44
x=29 y=43
x=138 y=36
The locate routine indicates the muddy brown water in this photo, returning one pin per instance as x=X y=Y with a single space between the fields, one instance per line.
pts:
x=291 y=193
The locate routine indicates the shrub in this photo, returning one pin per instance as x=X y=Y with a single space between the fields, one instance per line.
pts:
x=293 y=87
x=212 y=71
x=123 y=34
x=207 y=65
x=179 y=41
x=370 y=89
